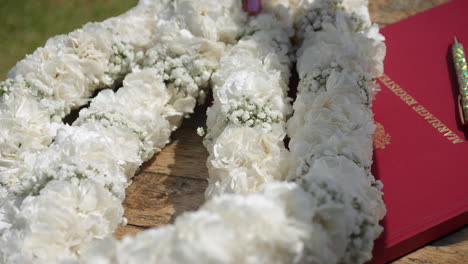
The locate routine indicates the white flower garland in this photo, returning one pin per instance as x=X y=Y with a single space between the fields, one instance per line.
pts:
x=104 y=148
x=331 y=130
x=71 y=193
x=44 y=87
x=247 y=122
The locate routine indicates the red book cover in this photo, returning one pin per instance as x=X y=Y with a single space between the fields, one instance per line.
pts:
x=421 y=150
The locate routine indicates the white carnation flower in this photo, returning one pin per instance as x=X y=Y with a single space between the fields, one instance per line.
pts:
x=252 y=99
x=228 y=229
x=124 y=145
x=72 y=65
x=137 y=25
x=339 y=186
x=354 y=52
x=214 y=20
x=59 y=222
x=328 y=15
x=184 y=62
x=242 y=159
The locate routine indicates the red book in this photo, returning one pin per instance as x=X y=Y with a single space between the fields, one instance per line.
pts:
x=421 y=150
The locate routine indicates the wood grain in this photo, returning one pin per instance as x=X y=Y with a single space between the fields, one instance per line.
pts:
x=384 y=12
x=174 y=181
x=451 y=249
x=171 y=183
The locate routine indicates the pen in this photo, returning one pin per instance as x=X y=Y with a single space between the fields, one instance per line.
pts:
x=462 y=75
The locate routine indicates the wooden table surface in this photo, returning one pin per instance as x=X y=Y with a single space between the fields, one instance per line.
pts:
x=175 y=179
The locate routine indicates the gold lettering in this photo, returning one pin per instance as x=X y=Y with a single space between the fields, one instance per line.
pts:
x=382 y=78
x=420 y=109
x=437 y=124
x=394 y=87
x=430 y=116
x=411 y=101
x=385 y=79
x=405 y=97
x=443 y=129
x=424 y=113
x=458 y=140
x=449 y=134
x=400 y=93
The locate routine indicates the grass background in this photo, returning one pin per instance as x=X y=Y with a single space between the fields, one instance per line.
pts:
x=27 y=24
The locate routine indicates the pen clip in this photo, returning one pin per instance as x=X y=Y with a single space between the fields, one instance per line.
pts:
x=460 y=111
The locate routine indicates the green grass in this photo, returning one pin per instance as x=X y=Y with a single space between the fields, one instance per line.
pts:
x=27 y=24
